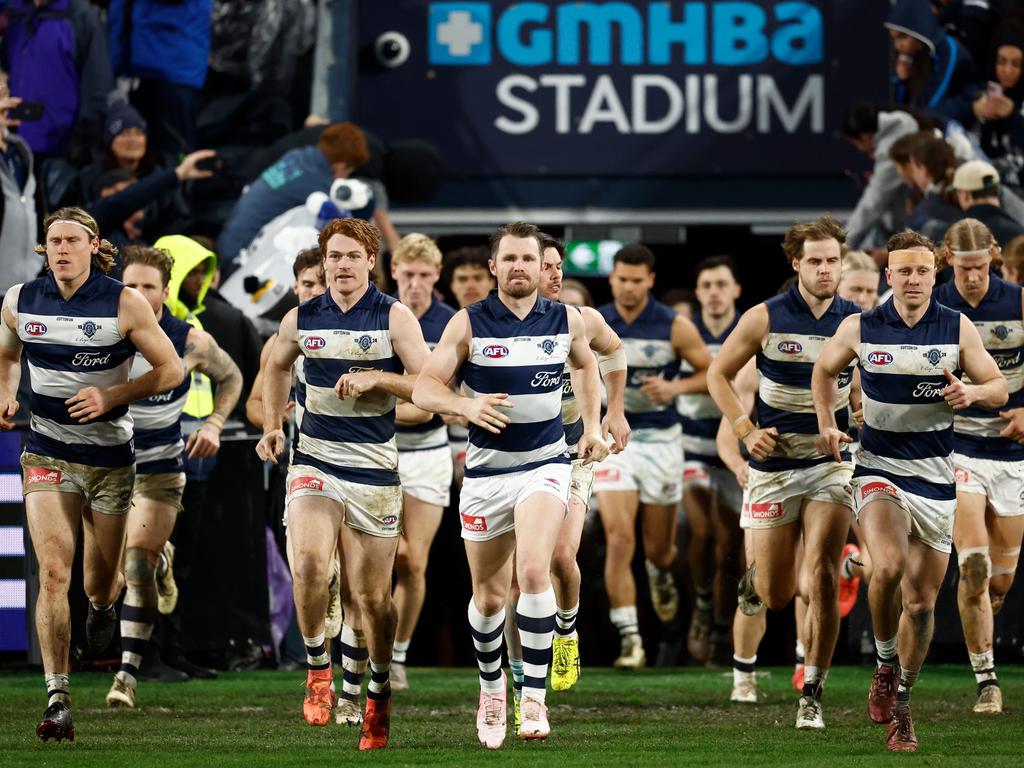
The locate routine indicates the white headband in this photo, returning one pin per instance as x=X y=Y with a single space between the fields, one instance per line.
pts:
x=70 y=221
x=981 y=252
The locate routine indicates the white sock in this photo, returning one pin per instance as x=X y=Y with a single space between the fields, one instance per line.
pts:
x=624 y=619
x=398 y=655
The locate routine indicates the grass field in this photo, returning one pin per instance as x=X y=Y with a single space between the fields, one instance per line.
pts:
x=655 y=717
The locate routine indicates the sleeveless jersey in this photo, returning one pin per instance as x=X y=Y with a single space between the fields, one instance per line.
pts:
x=908 y=427
x=433 y=433
x=70 y=345
x=158 y=443
x=699 y=417
x=526 y=359
x=784 y=364
x=998 y=320
x=352 y=439
x=648 y=345
x=572 y=421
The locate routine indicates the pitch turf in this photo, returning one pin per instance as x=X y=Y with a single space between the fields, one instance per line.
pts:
x=655 y=717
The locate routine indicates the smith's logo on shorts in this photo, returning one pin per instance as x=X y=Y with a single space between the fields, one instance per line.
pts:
x=962 y=475
x=878 y=487
x=473 y=523
x=42 y=475
x=695 y=473
x=495 y=351
x=766 y=510
x=35 y=328
x=314 y=342
x=791 y=347
x=606 y=475
x=306 y=484
x=879 y=358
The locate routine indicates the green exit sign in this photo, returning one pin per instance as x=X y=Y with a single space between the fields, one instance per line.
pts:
x=590 y=257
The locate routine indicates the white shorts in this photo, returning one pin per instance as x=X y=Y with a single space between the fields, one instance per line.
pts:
x=1001 y=482
x=372 y=509
x=775 y=498
x=718 y=480
x=427 y=475
x=487 y=504
x=929 y=520
x=655 y=469
x=581 y=484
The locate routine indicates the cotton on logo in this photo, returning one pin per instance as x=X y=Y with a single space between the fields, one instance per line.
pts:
x=790 y=347
x=42 y=475
x=878 y=487
x=495 y=351
x=768 y=510
x=306 y=484
x=879 y=358
x=35 y=328
x=473 y=523
x=314 y=342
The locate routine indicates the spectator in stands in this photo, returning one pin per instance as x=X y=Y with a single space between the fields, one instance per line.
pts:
x=972 y=22
x=166 y=45
x=287 y=183
x=933 y=71
x=999 y=123
x=126 y=147
x=977 y=189
x=18 y=263
x=879 y=212
x=931 y=170
x=55 y=52
x=1012 y=267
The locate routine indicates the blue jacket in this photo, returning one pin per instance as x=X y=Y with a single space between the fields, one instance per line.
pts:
x=161 y=40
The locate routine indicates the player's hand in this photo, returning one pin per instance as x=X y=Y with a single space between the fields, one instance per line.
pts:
x=90 y=403
x=615 y=424
x=761 y=442
x=203 y=442
x=353 y=385
x=8 y=408
x=858 y=417
x=957 y=394
x=186 y=170
x=1014 y=428
x=271 y=445
x=742 y=472
x=289 y=410
x=592 y=449
x=830 y=443
x=483 y=411
x=658 y=390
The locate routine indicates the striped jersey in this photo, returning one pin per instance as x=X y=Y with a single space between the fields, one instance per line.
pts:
x=649 y=352
x=999 y=322
x=352 y=439
x=908 y=426
x=698 y=415
x=525 y=359
x=572 y=420
x=70 y=345
x=157 y=419
x=433 y=433
x=784 y=364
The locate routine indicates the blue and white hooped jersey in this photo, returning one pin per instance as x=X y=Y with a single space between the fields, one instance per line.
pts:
x=907 y=436
x=158 y=443
x=572 y=420
x=433 y=433
x=1001 y=326
x=698 y=415
x=352 y=439
x=526 y=359
x=70 y=345
x=649 y=352
x=784 y=364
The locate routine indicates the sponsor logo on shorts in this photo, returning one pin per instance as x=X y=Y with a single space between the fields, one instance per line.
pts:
x=495 y=351
x=879 y=357
x=607 y=475
x=473 y=523
x=35 y=328
x=390 y=520
x=692 y=474
x=42 y=475
x=962 y=475
x=306 y=484
x=791 y=347
x=878 y=487
x=765 y=510
x=314 y=342
x=553 y=483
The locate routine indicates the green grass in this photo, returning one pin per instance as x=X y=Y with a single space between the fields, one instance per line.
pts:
x=655 y=717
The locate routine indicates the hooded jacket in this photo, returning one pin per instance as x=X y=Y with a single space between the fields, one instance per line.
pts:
x=19 y=262
x=953 y=81
x=187 y=254
x=161 y=40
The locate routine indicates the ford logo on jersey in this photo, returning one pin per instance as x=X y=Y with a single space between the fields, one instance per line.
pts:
x=879 y=358
x=314 y=342
x=790 y=347
x=495 y=351
x=35 y=328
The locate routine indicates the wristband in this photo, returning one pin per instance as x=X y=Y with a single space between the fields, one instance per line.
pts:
x=214 y=421
x=742 y=426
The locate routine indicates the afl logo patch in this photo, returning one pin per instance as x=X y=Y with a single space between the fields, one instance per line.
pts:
x=314 y=342
x=390 y=520
x=879 y=358
x=495 y=351
x=790 y=347
x=35 y=328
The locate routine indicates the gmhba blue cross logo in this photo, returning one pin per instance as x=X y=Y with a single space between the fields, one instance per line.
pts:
x=459 y=33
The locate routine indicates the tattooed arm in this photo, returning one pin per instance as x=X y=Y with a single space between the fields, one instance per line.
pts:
x=203 y=354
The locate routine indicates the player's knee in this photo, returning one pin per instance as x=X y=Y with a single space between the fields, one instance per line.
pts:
x=975 y=571
x=563 y=561
x=308 y=570
x=371 y=601
x=489 y=602
x=410 y=565
x=533 y=576
x=998 y=587
x=887 y=573
x=54 y=578
x=776 y=599
x=139 y=570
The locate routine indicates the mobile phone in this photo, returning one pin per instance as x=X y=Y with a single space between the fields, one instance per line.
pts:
x=26 y=111
x=215 y=163
x=993 y=89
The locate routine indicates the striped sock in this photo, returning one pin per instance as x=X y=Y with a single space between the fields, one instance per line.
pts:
x=58 y=687
x=907 y=679
x=624 y=619
x=885 y=652
x=139 y=612
x=565 y=621
x=316 y=652
x=380 y=681
x=399 y=652
x=354 y=657
x=743 y=669
x=812 y=682
x=516 y=665
x=984 y=666
x=487 y=634
x=535 y=615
